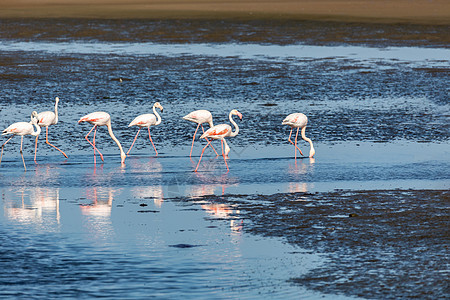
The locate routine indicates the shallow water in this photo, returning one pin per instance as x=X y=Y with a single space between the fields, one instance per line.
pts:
x=378 y=117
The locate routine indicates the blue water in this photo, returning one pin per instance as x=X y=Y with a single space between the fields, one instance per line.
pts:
x=70 y=228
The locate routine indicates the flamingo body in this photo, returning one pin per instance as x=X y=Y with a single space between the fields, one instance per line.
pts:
x=296 y=120
x=299 y=120
x=147 y=120
x=47 y=118
x=101 y=118
x=217 y=132
x=22 y=129
x=200 y=116
x=19 y=128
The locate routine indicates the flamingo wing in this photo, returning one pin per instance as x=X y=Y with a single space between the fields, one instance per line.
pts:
x=46 y=118
x=145 y=120
x=96 y=118
x=19 y=128
x=217 y=132
x=295 y=120
x=198 y=116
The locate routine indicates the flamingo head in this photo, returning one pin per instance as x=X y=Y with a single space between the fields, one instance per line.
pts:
x=34 y=117
x=236 y=113
x=122 y=157
x=57 y=100
x=312 y=152
x=158 y=105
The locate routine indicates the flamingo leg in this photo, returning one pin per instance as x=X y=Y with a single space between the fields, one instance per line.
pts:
x=48 y=143
x=289 y=139
x=223 y=154
x=150 y=137
x=21 y=153
x=93 y=144
x=134 y=140
x=1 y=155
x=193 y=139
x=209 y=143
x=200 y=158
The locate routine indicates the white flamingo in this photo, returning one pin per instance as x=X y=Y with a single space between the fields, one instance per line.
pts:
x=298 y=120
x=200 y=116
x=147 y=120
x=219 y=132
x=45 y=119
x=101 y=118
x=21 y=129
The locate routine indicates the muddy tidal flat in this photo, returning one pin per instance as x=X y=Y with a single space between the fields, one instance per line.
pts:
x=366 y=217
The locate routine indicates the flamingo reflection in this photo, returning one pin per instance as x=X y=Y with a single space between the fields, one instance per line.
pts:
x=37 y=205
x=148 y=170
x=150 y=192
x=97 y=211
x=299 y=171
x=224 y=211
x=101 y=202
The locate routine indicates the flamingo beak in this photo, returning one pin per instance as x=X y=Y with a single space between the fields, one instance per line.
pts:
x=239 y=115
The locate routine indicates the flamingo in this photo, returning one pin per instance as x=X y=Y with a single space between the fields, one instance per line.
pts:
x=299 y=120
x=22 y=128
x=46 y=119
x=219 y=132
x=147 y=120
x=101 y=118
x=200 y=116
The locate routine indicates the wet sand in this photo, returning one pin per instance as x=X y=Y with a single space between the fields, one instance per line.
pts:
x=378 y=244
x=417 y=11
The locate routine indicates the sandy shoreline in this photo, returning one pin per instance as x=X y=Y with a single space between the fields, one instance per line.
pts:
x=383 y=11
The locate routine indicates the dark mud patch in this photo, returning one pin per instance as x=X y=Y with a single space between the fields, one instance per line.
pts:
x=184 y=246
x=378 y=244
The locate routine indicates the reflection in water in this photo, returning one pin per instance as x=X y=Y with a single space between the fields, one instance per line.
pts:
x=224 y=211
x=97 y=211
x=38 y=206
x=210 y=183
x=149 y=192
x=148 y=169
x=298 y=172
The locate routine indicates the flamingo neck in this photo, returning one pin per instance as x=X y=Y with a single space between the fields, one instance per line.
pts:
x=158 y=117
x=122 y=154
x=38 y=128
x=56 y=112
x=312 y=151
x=235 y=133
x=227 y=148
x=210 y=122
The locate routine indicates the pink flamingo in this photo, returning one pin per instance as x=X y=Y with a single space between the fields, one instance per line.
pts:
x=147 y=120
x=219 y=132
x=46 y=119
x=298 y=120
x=101 y=118
x=22 y=128
x=200 y=116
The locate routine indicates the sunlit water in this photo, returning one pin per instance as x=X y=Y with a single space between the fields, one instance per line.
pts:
x=421 y=56
x=103 y=241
